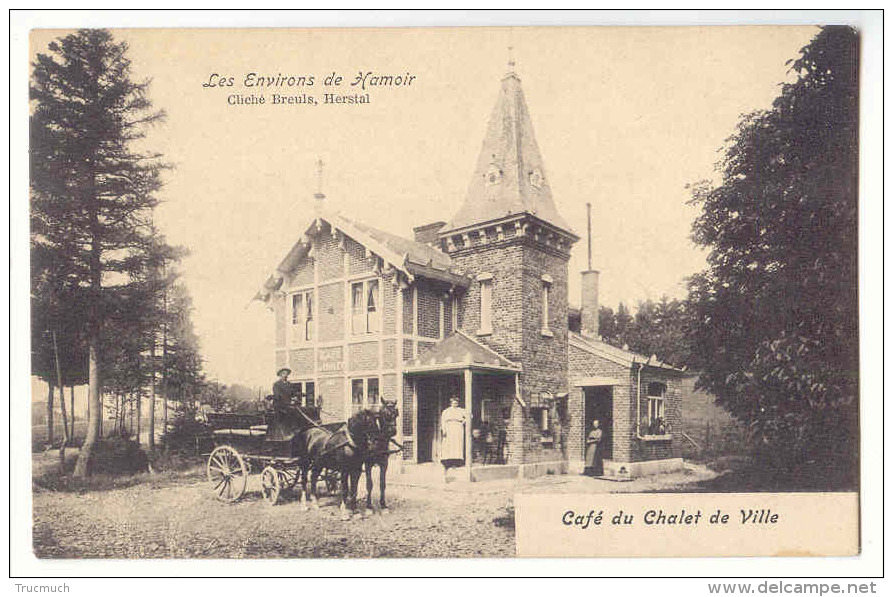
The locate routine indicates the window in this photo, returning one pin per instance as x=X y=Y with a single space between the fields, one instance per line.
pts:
x=297 y=301
x=372 y=391
x=372 y=306
x=306 y=392
x=486 y=292
x=356 y=308
x=656 y=423
x=543 y=417
x=302 y=315
x=364 y=393
x=308 y=319
x=356 y=392
x=546 y=294
x=309 y=394
x=364 y=307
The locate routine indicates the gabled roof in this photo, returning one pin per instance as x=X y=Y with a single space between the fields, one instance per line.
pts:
x=415 y=252
x=459 y=351
x=511 y=153
x=617 y=355
x=409 y=257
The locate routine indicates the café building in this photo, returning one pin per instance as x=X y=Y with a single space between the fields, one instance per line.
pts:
x=475 y=307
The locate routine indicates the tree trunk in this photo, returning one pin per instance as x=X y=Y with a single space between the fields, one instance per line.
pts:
x=71 y=403
x=50 y=422
x=82 y=469
x=119 y=415
x=65 y=434
x=164 y=386
x=152 y=396
x=139 y=414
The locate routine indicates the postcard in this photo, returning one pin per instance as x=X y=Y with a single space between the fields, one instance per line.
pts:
x=459 y=292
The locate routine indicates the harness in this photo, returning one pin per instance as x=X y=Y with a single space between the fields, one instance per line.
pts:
x=347 y=442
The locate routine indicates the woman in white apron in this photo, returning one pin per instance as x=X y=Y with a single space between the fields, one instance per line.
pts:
x=452 y=432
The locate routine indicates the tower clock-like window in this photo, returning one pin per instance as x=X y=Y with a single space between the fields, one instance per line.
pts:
x=536 y=179
x=494 y=175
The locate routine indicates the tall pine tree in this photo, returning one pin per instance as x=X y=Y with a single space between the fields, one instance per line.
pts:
x=92 y=191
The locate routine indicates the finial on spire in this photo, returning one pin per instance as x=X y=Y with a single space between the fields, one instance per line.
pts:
x=319 y=164
x=511 y=58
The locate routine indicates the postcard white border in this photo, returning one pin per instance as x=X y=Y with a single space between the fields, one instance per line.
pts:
x=869 y=563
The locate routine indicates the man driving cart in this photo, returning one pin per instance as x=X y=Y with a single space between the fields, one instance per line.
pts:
x=282 y=406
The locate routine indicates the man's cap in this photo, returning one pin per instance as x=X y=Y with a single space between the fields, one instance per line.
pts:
x=286 y=369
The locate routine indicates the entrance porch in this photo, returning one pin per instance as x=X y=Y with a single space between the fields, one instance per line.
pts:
x=485 y=384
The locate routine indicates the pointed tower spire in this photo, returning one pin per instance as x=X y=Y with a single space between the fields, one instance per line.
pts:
x=509 y=177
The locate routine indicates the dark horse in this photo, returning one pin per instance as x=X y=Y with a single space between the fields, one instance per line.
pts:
x=380 y=450
x=340 y=447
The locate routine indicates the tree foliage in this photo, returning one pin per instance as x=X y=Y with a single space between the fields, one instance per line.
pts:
x=660 y=328
x=92 y=197
x=775 y=312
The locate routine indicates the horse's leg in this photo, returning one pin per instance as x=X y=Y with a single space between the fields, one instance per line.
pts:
x=304 y=470
x=383 y=473
x=354 y=486
x=368 y=466
x=314 y=476
x=345 y=492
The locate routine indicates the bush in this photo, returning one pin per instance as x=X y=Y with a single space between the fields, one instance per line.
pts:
x=118 y=455
x=184 y=434
x=164 y=461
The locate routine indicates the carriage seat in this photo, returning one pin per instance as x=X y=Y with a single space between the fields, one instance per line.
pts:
x=253 y=431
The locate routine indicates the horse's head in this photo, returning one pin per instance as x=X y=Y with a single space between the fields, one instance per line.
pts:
x=387 y=418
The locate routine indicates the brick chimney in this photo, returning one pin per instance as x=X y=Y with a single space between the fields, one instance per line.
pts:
x=428 y=233
x=589 y=303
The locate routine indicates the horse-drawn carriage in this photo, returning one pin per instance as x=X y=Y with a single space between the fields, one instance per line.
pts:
x=286 y=445
x=245 y=443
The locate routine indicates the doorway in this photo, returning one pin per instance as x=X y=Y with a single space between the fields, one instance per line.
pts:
x=433 y=394
x=599 y=405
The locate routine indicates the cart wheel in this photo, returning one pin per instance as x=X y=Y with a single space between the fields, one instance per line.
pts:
x=227 y=474
x=290 y=478
x=271 y=483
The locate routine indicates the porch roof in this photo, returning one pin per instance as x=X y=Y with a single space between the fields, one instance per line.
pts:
x=457 y=352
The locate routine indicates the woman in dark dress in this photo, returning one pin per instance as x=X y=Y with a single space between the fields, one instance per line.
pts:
x=593 y=463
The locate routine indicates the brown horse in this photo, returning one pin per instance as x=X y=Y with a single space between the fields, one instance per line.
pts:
x=380 y=450
x=341 y=448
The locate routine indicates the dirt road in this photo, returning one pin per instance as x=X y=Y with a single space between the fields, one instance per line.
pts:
x=166 y=517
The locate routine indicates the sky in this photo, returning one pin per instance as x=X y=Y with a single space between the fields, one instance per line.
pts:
x=624 y=118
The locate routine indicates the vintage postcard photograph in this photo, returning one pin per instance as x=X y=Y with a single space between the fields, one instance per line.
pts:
x=460 y=292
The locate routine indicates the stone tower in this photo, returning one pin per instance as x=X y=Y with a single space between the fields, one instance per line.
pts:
x=510 y=239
